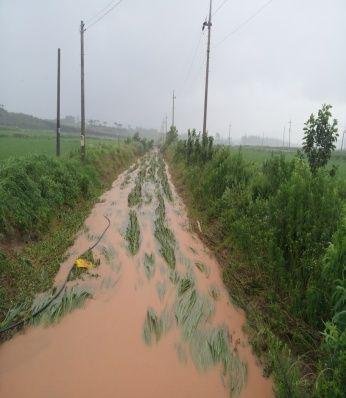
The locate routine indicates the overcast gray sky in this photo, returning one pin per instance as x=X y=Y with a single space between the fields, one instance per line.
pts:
x=284 y=64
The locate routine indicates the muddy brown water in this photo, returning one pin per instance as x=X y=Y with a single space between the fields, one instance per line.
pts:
x=99 y=349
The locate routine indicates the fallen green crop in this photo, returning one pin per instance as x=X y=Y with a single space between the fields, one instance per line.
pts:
x=133 y=233
x=149 y=265
x=161 y=290
x=164 y=235
x=71 y=298
x=155 y=326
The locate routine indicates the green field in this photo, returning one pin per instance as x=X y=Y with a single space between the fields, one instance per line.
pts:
x=25 y=142
x=258 y=155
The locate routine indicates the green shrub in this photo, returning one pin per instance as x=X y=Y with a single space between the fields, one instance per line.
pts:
x=279 y=219
x=34 y=188
x=332 y=379
x=38 y=192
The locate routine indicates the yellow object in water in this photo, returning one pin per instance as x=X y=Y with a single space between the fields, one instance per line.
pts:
x=81 y=263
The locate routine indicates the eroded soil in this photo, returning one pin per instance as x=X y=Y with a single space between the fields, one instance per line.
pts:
x=159 y=323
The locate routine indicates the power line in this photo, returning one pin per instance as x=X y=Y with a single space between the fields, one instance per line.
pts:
x=99 y=12
x=193 y=57
x=104 y=14
x=220 y=6
x=253 y=16
x=194 y=77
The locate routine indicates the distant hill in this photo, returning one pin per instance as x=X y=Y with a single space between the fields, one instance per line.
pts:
x=28 y=122
x=22 y=121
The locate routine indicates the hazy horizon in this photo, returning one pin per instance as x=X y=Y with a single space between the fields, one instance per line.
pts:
x=282 y=65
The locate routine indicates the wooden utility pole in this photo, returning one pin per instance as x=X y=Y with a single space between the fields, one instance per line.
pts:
x=58 y=109
x=208 y=25
x=229 y=134
x=289 y=134
x=82 y=148
x=173 y=110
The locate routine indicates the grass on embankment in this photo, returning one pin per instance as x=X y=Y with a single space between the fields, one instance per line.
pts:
x=271 y=226
x=43 y=204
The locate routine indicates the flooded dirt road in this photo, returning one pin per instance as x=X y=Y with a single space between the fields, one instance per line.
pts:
x=159 y=322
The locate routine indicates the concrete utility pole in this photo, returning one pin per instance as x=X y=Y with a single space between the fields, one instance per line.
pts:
x=289 y=134
x=208 y=25
x=58 y=109
x=173 y=109
x=342 y=142
x=82 y=148
x=229 y=134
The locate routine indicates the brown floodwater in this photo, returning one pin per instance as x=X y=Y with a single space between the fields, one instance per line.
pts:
x=99 y=349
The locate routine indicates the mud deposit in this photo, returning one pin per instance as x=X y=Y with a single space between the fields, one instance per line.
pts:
x=157 y=321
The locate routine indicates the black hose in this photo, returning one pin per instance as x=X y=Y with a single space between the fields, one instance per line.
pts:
x=33 y=315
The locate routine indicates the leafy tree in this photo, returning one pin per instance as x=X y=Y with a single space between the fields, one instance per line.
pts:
x=172 y=135
x=320 y=137
x=198 y=148
x=189 y=144
x=210 y=147
x=204 y=146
